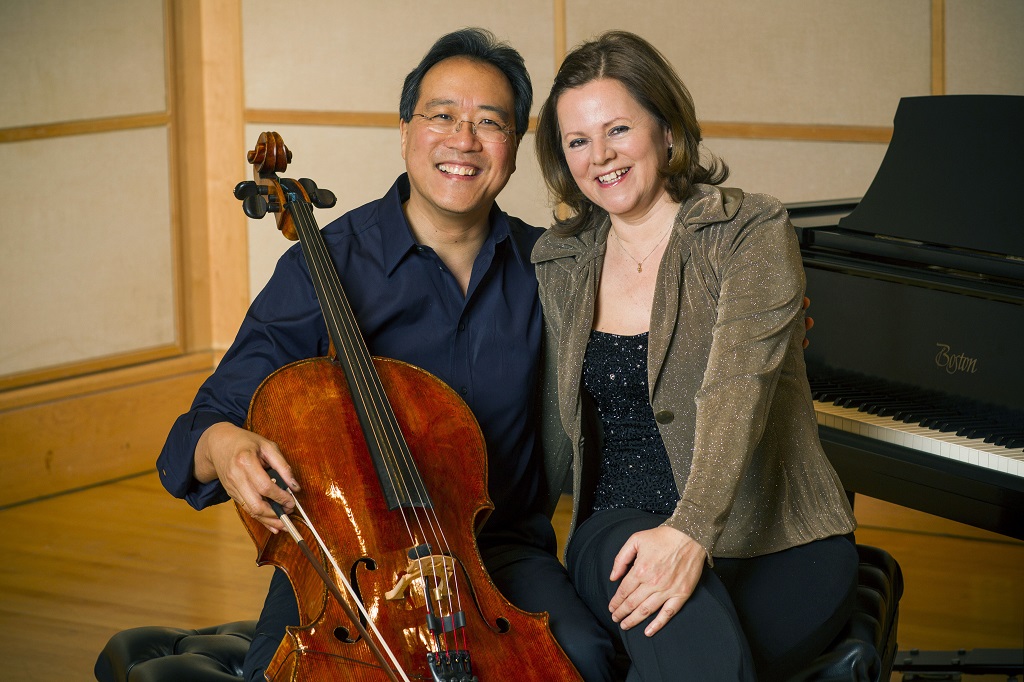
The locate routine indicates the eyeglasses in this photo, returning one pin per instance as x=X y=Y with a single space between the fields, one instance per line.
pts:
x=486 y=130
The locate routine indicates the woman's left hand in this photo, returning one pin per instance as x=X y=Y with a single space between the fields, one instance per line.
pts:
x=659 y=569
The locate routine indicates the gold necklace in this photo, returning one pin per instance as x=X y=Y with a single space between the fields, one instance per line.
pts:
x=640 y=263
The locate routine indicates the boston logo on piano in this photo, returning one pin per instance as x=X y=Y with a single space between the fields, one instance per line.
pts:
x=954 y=363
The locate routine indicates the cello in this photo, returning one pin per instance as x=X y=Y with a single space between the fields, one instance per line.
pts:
x=394 y=485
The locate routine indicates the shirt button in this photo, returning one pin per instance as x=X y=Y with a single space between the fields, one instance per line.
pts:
x=664 y=416
x=463 y=390
x=462 y=326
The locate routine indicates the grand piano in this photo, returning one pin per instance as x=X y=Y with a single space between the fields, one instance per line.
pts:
x=916 y=360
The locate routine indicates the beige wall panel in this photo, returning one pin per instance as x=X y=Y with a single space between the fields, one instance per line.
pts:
x=525 y=195
x=800 y=171
x=984 y=47
x=789 y=61
x=352 y=55
x=63 y=61
x=359 y=165
x=85 y=271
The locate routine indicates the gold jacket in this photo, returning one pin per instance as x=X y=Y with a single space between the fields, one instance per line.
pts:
x=728 y=384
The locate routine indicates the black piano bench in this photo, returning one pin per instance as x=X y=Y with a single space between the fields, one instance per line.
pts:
x=863 y=652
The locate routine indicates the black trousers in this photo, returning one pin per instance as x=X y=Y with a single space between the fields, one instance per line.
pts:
x=761 y=618
x=522 y=563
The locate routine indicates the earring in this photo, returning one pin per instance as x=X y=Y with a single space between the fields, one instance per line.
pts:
x=670 y=152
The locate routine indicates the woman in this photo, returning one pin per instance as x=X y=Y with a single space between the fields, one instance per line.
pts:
x=710 y=531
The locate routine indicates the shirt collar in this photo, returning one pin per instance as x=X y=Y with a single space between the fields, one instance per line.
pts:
x=397 y=238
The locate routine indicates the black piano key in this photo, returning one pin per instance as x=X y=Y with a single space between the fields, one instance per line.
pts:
x=932 y=419
x=890 y=409
x=955 y=423
x=996 y=430
x=879 y=401
x=911 y=415
x=1005 y=439
x=978 y=430
x=911 y=404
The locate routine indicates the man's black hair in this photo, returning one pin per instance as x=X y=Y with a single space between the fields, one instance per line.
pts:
x=481 y=45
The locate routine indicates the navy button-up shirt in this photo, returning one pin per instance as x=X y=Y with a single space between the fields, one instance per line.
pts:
x=485 y=345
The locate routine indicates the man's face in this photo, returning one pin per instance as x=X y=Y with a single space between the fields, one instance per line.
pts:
x=458 y=175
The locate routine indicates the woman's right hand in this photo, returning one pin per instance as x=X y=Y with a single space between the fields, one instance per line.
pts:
x=239 y=459
x=659 y=569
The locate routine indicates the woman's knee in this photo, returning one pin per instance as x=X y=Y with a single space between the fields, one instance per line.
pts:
x=704 y=640
x=595 y=544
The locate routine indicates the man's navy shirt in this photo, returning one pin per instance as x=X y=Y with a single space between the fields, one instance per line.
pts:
x=485 y=345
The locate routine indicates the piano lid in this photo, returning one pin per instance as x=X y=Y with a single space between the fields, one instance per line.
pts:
x=952 y=175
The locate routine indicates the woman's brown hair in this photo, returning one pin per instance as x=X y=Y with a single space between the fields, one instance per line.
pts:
x=654 y=84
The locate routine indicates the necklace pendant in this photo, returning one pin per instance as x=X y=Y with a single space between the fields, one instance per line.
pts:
x=639 y=267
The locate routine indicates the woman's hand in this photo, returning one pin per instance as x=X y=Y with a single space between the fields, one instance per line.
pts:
x=659 y=569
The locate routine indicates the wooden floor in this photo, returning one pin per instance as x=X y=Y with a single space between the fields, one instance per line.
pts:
x=81 y=566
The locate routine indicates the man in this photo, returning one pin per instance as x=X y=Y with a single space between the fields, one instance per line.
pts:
x=438 y=277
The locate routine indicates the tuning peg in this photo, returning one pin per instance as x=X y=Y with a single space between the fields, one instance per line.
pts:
x=321 y=198
x=326 y=199
x=254 y=206
x=248 y=188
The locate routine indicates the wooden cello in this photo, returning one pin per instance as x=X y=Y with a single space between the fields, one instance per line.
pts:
x=393 y=469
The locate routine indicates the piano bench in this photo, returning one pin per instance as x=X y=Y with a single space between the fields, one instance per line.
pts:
x=863 y=652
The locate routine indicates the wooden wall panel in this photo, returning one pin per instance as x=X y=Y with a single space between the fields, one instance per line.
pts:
x=111 y=431
x=132 y=218
x=209 y=153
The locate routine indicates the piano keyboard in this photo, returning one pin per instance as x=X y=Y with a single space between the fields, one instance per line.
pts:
x=968 y=450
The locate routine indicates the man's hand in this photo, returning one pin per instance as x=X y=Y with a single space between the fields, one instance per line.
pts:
x=239 y=459
x=661 y=568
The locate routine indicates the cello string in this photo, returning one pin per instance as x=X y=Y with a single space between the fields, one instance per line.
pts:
x=380 y=403
x=360 y=363
x=354 y=350
x=329 y=295
x=359 y=360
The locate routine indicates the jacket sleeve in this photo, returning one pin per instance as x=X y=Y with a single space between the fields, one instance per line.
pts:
x=761 y=285
x=555 y=443
x=283 y=324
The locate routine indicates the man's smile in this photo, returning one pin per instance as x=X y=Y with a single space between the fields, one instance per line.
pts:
x=457 y=169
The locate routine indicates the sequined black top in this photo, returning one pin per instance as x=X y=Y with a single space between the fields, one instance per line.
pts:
x=635 y=471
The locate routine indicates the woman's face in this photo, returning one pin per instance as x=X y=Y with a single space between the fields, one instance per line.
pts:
x=614 y=148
